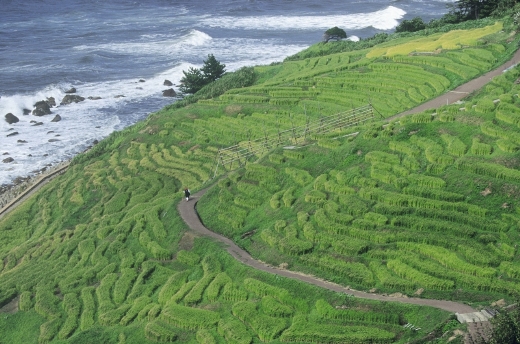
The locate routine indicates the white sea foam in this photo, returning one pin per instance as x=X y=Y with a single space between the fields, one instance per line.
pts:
x=385 y=19
x=153 y=46
x=81 y=123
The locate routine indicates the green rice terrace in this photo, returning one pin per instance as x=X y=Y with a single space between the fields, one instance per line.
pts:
x=426 y=205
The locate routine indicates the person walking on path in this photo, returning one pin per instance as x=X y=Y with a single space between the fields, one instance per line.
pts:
x=187 y=194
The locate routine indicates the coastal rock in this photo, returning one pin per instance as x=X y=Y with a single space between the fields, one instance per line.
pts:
x=7 y=160
x=10 y=118
x=94 y=98
x=26 y=112
x=53 y=140
x=5 y=153
x=37 y=124
x=169 y=93
x=56 y=118
x=70 y=91
x=51 y=101
x=69 y=99
x=167 y=83
x=50 y=132
x=41 y=108
x=142 y=80
x=21 y=141
x=119 y=96
x=12 y=134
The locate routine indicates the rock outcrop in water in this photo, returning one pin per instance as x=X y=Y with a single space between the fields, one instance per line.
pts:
x=41 y=108
x=56 y=118
x=69 y=99
x=10 y=118
x=51 y=101
x=169 y=93
x=72 y=90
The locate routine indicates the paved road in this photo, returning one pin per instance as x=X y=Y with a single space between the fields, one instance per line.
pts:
x=189 y=214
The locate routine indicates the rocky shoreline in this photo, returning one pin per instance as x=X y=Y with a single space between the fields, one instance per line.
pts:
x=45 y=107
x=10 y=192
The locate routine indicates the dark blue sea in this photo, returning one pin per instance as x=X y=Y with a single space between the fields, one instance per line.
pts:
x=122 y=51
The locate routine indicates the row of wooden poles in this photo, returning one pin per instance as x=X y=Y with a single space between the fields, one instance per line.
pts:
x=240 y=152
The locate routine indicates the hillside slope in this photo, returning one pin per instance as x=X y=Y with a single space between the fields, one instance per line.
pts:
x=100 y=254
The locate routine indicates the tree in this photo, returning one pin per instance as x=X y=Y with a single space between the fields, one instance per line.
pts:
x=192 y=81
x=506 y=327
x=477 y=9
x=416 y=24
x=195 y=79
x=212 y=69
x=334 y=33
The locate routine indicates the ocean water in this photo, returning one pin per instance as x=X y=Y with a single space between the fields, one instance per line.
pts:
x=123 y=50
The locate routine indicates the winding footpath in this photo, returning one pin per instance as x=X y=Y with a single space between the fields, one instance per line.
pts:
x=463 y=90
x=190 y=216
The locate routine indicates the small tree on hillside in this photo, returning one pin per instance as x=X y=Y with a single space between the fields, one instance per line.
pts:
x=192 y=81
x=212 y=69
x=335 y=34
x=195 y=79
x=416 y=24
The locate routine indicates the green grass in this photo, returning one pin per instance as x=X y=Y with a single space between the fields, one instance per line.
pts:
x=100 y=253
x=440 y=167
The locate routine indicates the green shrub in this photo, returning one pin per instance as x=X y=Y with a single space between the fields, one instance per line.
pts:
x=113 y=316
x=507 y=146
x=292 y=154
x=421 y=279
x=26 y=302
x=422 y=117
x=315 y=196
x=485 y=106
x=301 y=177
x=49 y=329
x=189 y=318
x=270 y=306
x=138 y=305
x=123 y=284
x=204 y=336
x=159 y=331
x=266 y=327
x=479 y=148
x=302 y=330
x=88 y=309
x=195 y=294
x=217 y=285
x=188 y=257
x=234 y=331
x=325 y=310
x=288 y=197
x=232 y=292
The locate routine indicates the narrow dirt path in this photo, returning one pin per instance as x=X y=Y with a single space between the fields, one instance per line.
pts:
x=463 y=90
x=189 y=214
